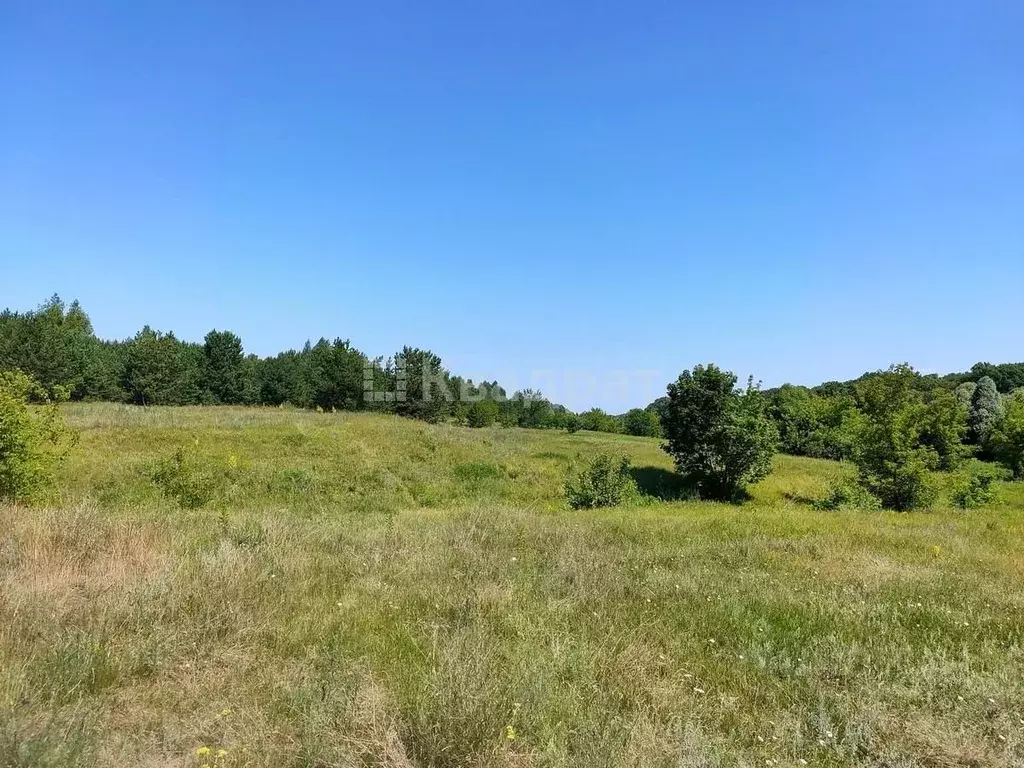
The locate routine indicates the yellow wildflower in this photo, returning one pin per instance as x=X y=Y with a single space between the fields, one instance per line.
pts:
x=202 y=751
x=510 y=733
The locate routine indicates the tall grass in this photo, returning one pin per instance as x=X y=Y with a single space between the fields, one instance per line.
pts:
x=372 y=591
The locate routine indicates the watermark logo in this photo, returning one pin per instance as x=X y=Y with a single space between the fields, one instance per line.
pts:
x=371 y=393
x=396 y=385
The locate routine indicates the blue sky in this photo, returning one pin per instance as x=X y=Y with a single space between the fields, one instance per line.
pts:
x=800 y=191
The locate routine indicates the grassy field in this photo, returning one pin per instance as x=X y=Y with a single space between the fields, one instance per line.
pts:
x=361 y=590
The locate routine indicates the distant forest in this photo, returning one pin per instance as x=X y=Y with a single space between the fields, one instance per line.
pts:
x=56 y=345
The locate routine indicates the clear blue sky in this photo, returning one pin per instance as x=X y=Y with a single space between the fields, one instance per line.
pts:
x=801 y=191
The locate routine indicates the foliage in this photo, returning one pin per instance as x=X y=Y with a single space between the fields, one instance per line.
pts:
x=603 y=482
x=331 y=376
x=482 y=413
x=1006 y=376
x=157 y=369
x=900 y=437
x=965 y=394
x=183 y=478
x=814 y=424
x=986 y=412
x=943 y=426
x=224 y=367
x=534 y=410
x=720 y=438
x=280 y=379
x=56 y=346
x=843 y=493
x=642 y=423
x=1007 y=438
x=974 y=487
x=33 y=439
x=427 y=392
x=596 y=420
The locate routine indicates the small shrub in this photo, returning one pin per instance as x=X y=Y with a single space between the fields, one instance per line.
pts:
x=974 y=489
x=33 y=439
x=603 y=482
x=844 y=493
x=181 y=478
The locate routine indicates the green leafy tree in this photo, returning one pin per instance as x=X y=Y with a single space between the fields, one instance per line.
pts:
x=224 y=367
x=596 y=420
x=482 y=413
x=986 y=412
x=793 y=411
x=32 y=438
x=965 y=394
x=814 y=424
x=252 y=379
x=532 y=409
x=1007 y=438
x=836 y=418
x=943 y=427
x=642 y=423
x=280 y=379
x=1006 y=376
x=895 y=454
x=721 y=438
x=659 y=407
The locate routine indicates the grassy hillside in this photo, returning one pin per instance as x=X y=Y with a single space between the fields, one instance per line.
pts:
x=363 y=590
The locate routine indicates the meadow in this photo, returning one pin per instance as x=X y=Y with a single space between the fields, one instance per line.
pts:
x=364 y=590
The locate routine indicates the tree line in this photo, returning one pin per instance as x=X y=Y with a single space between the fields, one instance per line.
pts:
x=898 y=427
x=55 y=344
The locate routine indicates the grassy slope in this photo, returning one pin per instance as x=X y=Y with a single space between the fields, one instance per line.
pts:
x=372 y=591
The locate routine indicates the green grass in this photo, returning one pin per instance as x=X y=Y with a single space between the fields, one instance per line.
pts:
x=364 y=590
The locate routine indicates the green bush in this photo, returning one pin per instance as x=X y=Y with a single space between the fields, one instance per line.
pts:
x=477 y=471
x=642 y=423
x=33 y=438
x=182 y=478
x=482 y=413
x=844 y=493
x=1007 y=440
x=904 y=436
x=603 y=482
x=974 y=488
